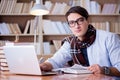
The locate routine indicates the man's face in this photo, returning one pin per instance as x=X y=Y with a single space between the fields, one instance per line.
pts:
x=78 y=24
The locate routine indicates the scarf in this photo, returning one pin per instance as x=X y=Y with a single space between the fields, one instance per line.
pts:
x=77 y=45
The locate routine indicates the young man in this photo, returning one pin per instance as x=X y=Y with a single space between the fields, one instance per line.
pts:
x=97 y=49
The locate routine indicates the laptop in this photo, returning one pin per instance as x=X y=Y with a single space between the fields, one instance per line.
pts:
x=22 y=59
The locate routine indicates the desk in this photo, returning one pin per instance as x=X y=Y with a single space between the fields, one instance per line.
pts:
x=8 y=76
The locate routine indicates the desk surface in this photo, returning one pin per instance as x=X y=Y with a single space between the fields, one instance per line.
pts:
x=8 y=76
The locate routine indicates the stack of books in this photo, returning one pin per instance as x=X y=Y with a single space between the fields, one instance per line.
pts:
x=9 y=28
x=3 y=62
x=93 y=7
x=55 y=27
x=13 y=7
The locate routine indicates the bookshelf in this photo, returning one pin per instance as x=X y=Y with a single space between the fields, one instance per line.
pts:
x=22 y=17
x=107 y=18
x=19 y=14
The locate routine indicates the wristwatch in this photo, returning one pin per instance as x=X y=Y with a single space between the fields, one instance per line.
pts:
x=106 y=70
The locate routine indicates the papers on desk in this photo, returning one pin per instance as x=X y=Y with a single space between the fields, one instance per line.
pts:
x=75 y=69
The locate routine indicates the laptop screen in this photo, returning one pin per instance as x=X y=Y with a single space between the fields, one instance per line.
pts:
x=22 y=59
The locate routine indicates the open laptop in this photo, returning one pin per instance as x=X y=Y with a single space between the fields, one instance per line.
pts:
x=22 y=59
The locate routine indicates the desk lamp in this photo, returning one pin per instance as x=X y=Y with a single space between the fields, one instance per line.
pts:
x=38 y=10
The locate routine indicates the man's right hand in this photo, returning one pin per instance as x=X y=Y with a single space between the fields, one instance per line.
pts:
x=46 y=66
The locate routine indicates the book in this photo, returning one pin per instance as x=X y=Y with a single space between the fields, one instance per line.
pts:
x=57 y=44
x=55 y=28
x=25 y=8
x=67 y=28
x=109 y=8
x=7 y=6
x=2 y=43
x=56 y=9
x=67 y=7
x=87 y=5
x=2 y=56
x=13 y=28
x=61 y=27
x=17 y=28
x=4 y=68
x=50 y=27
x=75 y=3
x=75 y=69
x=3 y=61
x=107 y=26
x=118 y=9
x=62 y=8
x=26 y=27
x=10 y=32
x=13 y=2
x=1 y=51
x=32 y=26
x=4 y=28
x=30 y=5
x=46 y=46
x=95 y=7
x=48 y=5
x=18 y=8
x=52 y=7
x=102 y=25
x=114 y=7
x=3 y=6
x=46 y=27
x=4 y=64
x=13 y=6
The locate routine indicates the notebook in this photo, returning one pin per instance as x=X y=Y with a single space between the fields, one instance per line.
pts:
x=75 y=69
x=22 y=59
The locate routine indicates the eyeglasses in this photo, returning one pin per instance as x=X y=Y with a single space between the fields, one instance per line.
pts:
x=79 y=21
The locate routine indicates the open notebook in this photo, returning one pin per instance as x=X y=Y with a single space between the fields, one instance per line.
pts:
x=23 y=60
x=75 y=69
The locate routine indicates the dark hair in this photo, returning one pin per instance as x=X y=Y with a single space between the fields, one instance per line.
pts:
x=77 y=9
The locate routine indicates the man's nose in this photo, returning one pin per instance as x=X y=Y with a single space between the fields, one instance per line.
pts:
x=77 y=25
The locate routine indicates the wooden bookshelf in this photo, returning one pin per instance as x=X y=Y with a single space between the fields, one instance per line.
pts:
x=111 y=18
x=15 y=18
x=22 y=18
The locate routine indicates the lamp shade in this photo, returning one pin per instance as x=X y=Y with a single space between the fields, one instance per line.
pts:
x=39 y=9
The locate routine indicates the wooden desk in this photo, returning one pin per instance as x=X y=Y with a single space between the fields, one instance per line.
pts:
x=6 y=76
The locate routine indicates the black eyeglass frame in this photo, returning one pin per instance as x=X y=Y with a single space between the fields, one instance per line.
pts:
x=79 y=21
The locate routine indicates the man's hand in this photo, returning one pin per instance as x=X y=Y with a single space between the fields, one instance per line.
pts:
x=46 y=66
x=96 y=69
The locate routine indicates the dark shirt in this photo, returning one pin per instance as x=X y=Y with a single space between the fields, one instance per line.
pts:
x=84 y=51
